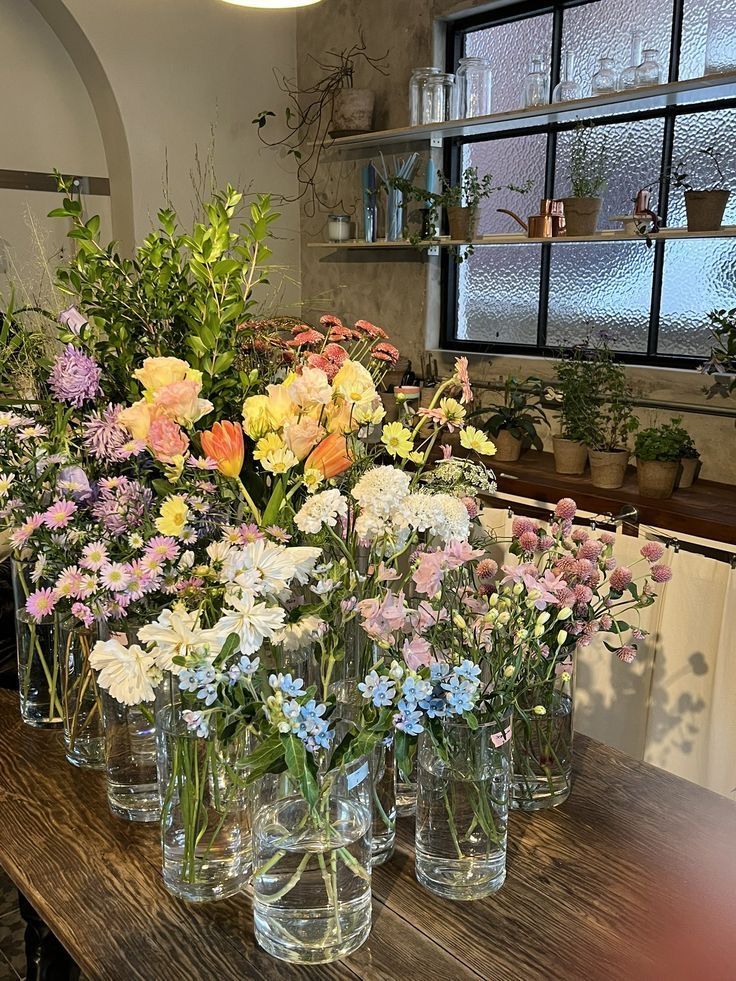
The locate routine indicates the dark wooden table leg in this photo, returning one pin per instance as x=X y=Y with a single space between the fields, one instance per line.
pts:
x=46 y=959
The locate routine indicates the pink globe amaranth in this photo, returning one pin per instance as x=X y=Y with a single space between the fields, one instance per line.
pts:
x=652 y=551
x=486 y=570
x=620 y=578
x=528 y=541
x=566 y=509
x=661 y=573
x=627 y=653
x=521 y=525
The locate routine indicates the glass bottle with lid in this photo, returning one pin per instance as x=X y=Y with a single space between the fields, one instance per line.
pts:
x=567 y=89
x=536 y=86
x=416 y=86
x=472 y=88
x=604 y=80
x=649 y=71
x=627 y=78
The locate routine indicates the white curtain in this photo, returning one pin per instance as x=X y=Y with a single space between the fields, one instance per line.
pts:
x=675 y=706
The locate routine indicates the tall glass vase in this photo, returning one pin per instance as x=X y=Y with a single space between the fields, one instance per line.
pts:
x=383 y=805
x=462 y=809
x=84 y=731
x=543 y=728
x=312 y=873
x=205 y=834
x=39 y=677
x=130 y=751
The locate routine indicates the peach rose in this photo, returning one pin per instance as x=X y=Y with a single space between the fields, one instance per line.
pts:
x=166 y=440
x=180 y=401
x=137 y=419
x=301 y=437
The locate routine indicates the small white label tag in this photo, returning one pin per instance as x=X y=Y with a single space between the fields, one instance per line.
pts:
x=357 y=777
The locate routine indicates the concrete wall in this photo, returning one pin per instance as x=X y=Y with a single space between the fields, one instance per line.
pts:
x=399 y=290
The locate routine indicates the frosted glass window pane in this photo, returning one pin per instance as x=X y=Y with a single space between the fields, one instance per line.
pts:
x=510 y=48
x=511 y=161
x=703 y=129
x=699 y=276
x=498 y=295
x=600 y=286
x=603 y=30
x=633 y=159
x=695 y=32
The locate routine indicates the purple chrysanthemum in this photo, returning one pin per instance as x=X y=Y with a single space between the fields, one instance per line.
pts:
x=75 y=378
x=104 y=436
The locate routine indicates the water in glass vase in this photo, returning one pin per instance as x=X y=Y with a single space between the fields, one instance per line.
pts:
x=543 y=754
x=130 y=750
x=312 y=883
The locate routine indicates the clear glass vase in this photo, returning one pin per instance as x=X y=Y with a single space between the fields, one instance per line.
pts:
x=543 y=747
x=406 y=790
x=568 y=88
x=604 y=80
x=627 y=78
x=312 y=865
x=536 y=85
x=130 y=750
x=383 y=790
x=39 y=677
x=462 y=809
x=205 y=833
x=84 y=732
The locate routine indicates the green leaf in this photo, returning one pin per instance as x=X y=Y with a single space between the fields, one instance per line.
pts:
x=273 y=507
x=265 y=758
x=295 y=755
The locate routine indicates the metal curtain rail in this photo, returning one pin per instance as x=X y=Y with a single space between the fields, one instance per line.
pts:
x=34 y=180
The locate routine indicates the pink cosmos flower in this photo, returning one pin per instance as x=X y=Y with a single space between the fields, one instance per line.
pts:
x=41 y=603
x=652 y=551
x=59 y=514
x=566 y=509
x=461 y=369
x=620 y=578
x=166 y=439
x=417 y=653
x=661 y=573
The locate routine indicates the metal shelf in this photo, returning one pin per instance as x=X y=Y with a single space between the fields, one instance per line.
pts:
x=651 y=98
x=667 y=234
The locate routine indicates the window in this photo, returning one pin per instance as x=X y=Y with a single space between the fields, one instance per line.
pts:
x=534 y=298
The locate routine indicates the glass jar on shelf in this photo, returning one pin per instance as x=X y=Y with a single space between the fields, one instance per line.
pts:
x=649 y=71
x=438 y=97
x=416 y=90
x=627 y=78
x=536 y=85
x=473 y=85
x=604 y=80
x=568 y=88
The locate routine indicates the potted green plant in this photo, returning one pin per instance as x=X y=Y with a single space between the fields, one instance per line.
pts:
x=613 y=421
x=722 y=360
x=689 y=461
x=512 y=421
x=587 y=181
x=577 y=407
x=658 y=452
x=704 y=206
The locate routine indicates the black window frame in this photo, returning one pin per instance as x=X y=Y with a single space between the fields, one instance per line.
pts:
x=452 y=156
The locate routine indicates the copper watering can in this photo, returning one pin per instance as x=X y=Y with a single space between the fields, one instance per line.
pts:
x=549 y=223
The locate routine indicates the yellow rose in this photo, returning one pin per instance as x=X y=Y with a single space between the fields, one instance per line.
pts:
x=257 y=420
x=157 y=372
x=280 y=404
x=137 y=419
x=172 y=516
x=354 y=383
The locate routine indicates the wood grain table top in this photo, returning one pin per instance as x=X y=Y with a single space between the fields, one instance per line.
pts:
x=634 y=877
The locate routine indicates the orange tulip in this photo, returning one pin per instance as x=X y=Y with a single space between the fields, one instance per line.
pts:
x=224 y=444
x=330 y=457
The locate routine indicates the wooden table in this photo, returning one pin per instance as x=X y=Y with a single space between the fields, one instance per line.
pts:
x=633 y=878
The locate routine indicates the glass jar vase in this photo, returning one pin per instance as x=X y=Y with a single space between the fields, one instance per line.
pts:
x=39 y=677
x=649 y=71
x=383 y=809
x=543 y=728
x=473 y=87
x=536 y=85
x=84 y=732
x=568 y=88
x=311 y=865
x=438 y=98
x=604 y=80
x=130 y=752
x=416 y=93
x=205 y=832
x=462 y=809
x=627 y=78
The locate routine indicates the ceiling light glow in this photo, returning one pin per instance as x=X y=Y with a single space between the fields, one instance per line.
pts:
x=273 y=4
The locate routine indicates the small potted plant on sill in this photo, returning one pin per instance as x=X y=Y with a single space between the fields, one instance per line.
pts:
x=613 y=421
x=587 y=182
x=577 y=407
x=722 y=361
x=689 y=462
x=658 y=452
x=704 y=206
x=512 y=422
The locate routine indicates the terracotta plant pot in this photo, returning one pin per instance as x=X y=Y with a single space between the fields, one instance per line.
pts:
x=352 y=111
x=570 y=455
x=704 y=210
x=656 y=477
x=462 y=222
x=508 y=447
x=608 y=468
x=687 y=472
x=581 y=215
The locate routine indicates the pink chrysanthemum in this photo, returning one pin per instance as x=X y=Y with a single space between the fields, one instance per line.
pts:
x=324 y=364
x=566 y=509
x=486 y=570
x=652 y=551
x=41 y=603
x=661 y=573
x=74 y=378
x=366 y=327
x=620 y=578
x=336 y=353
x=94 y=556
x=306 y=338
x=163 y=548
x=59 y=514
x=627 y=653
x=104 y=437
x=330 y=320
x=528 y=541
x=339 y=332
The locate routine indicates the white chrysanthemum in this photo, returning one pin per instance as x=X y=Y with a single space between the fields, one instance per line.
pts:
x=382 y=490
x=267 y=568
x=320 y=509
x=176 y=633
x=442 y=515
x=128 y=673
x=300 y=635
x=252 y=622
